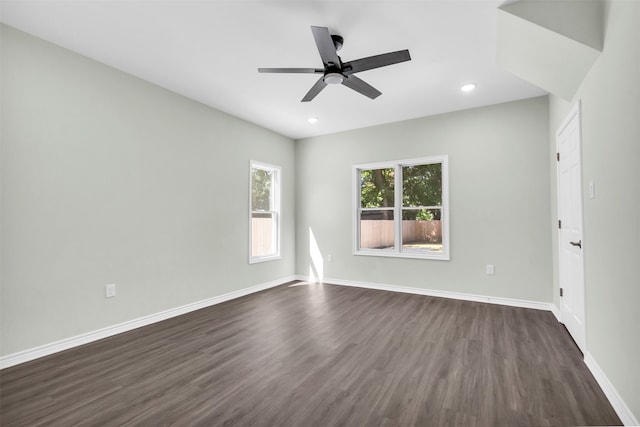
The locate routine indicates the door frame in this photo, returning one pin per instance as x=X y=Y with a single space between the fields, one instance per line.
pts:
x=574 y=111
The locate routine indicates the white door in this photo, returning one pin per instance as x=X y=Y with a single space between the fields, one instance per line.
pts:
x=571 y=263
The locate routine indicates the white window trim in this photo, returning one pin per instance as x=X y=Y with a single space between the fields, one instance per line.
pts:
x=397 y=251
x=253 y=164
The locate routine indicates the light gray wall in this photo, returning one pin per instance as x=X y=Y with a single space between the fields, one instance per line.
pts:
x=499 y=200
x=610 y=99
x=109 y=179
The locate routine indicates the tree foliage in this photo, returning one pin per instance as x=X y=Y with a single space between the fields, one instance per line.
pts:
x=376 y=188
x=261 y=185
x=421 y=187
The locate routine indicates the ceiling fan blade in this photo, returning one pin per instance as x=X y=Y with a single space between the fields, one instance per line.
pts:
x=325 y=46
x=291 y=70
x=315 y=89
x=361 y=86
x=376 y=61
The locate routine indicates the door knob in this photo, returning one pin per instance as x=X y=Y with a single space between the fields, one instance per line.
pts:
x=578 y=243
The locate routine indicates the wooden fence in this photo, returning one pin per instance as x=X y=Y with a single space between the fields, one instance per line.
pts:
x=373 y=234
x=379 y=233
x=262 y=243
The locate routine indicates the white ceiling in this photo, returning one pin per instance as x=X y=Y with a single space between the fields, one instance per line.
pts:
x=210 y=51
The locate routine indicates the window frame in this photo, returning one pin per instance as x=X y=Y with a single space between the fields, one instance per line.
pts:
x=397 y=251
x=276 y=210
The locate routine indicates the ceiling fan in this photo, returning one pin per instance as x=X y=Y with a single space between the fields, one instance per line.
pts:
x=337 y=72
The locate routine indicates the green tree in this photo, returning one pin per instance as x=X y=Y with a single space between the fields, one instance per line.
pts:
x=422 y=186
x=261 y=189
x=377 y=187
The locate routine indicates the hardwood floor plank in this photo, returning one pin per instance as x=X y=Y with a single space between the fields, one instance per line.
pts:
x=318 y=355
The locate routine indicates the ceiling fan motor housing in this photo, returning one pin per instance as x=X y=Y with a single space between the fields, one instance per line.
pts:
x=338 y=41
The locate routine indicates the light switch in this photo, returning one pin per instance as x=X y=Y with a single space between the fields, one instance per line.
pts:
x=110 y=290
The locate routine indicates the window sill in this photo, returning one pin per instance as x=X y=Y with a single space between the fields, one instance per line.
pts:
x=410 y=255
x=264 y=259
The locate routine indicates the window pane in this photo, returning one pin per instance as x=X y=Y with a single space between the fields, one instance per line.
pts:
x=376 y=188
x=376 y=229
x=422 y=185
x=263 y=225
x=261 y=189
x=421 y=230
x=264 y=212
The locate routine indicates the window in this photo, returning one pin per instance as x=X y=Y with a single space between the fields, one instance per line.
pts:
x=401 y=208
x=264 y=208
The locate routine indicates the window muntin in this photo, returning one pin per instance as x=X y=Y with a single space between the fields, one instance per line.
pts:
x=401 y=208
x=264 y=208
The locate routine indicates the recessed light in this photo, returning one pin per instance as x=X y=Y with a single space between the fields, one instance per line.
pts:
x=312 y=120
x=468 y=87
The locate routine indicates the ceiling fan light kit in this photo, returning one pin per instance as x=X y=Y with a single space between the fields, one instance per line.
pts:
x=333 y=78
x=337 y=72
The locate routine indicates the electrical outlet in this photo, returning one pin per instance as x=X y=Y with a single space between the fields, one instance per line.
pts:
x=490 y=269
x=592 y=190
x=110 y=290
x=330 y=258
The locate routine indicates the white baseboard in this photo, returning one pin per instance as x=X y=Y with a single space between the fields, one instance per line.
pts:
x=67 y=343
x=443 y=294
x=556 y=312
x=621 y=408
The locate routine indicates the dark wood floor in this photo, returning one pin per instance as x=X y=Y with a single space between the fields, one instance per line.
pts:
x=322 y=355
